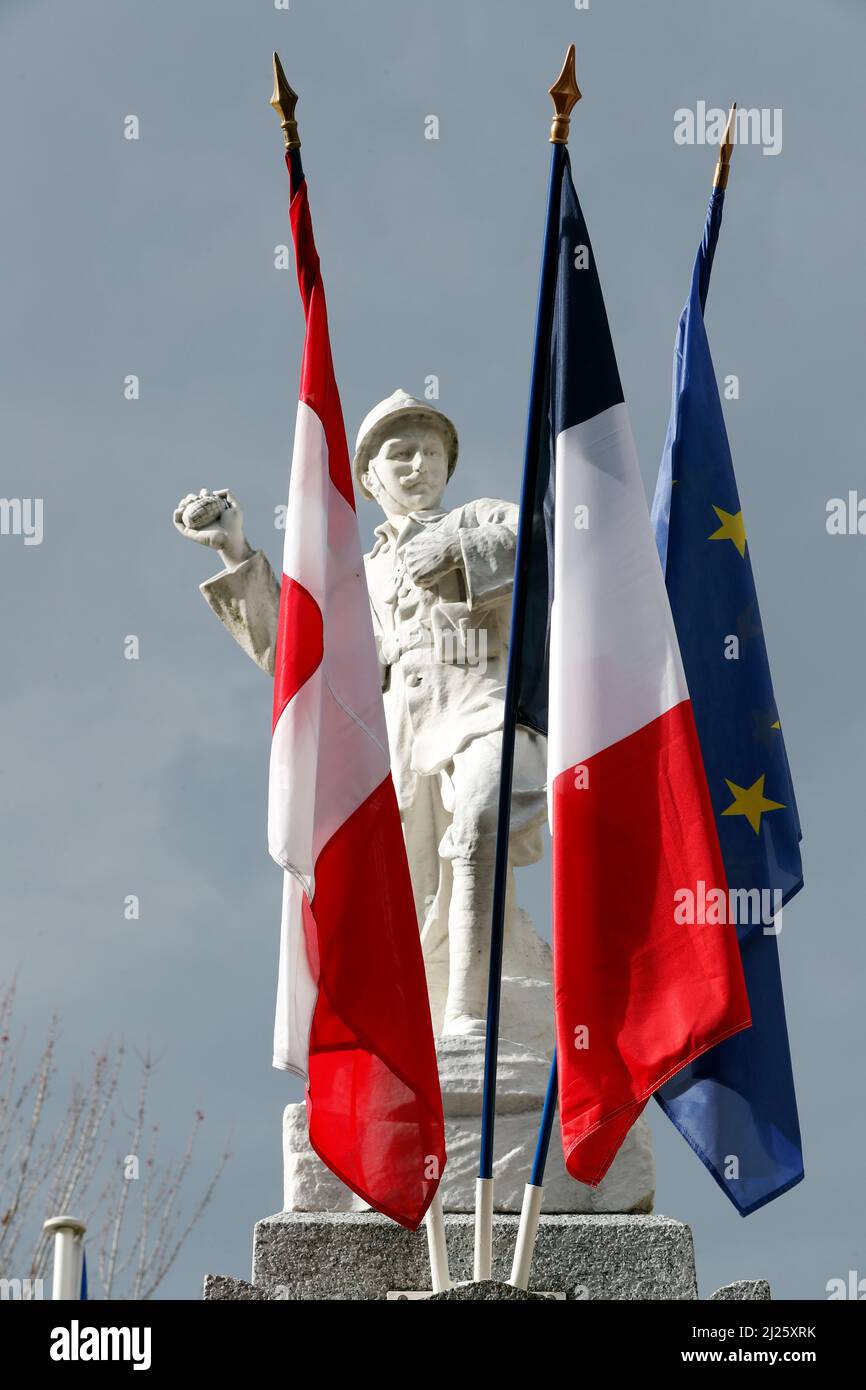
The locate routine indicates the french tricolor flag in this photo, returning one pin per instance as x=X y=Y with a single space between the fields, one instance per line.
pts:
x=353 y=1016
x=637 y=995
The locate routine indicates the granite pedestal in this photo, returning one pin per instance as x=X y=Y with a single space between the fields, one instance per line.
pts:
x=360 y=1255
x=352 y=1256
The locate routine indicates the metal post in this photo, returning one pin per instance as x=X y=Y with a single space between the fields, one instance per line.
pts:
x=68 y=1256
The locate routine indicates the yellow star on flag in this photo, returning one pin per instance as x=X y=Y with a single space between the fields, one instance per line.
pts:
x=733 y=528
x=751 y=802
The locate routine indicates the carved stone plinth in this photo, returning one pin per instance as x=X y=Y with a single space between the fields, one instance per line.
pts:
x=628 y=1187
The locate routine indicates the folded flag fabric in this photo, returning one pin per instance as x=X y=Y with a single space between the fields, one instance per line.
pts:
x=353 y=1016
x=736 y=1105
x=637 y=995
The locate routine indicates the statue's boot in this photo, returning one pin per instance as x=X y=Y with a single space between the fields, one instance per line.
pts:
x=468 y=946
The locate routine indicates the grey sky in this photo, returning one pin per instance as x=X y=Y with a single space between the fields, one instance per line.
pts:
x=155 y=257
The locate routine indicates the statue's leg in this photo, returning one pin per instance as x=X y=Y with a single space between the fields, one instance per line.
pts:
x=422 y=833
x=468 y=945
x=470 y=794
x=424 y=823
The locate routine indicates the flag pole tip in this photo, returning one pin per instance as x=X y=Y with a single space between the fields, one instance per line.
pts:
x=726 y=149
x=565 y=94
x=284 y=101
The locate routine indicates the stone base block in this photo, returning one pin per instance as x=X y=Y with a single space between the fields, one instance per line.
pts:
x=743 y=1291
x=221 y=1288
x=487 y=1291
x=361 y=1255
x=627 y=1187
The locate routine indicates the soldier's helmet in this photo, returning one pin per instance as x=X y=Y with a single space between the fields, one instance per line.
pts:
x=386 y=414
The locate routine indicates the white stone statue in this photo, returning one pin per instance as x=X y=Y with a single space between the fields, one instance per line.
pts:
x=440 y=587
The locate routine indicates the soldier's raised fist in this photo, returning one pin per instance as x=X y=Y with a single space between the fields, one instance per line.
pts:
x=216 y=520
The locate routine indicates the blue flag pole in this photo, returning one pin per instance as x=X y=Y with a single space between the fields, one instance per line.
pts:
x=545 y=1128
x=564 y=94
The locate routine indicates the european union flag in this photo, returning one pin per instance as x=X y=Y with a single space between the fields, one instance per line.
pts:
x=736 y=1104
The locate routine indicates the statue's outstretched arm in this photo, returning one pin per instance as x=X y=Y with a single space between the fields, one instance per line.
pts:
x=246 y=595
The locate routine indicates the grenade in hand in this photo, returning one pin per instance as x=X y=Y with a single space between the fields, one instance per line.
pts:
x=204 y=511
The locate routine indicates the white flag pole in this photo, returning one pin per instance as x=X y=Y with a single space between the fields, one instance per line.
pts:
x=482 y=1264
x=533 y=1193
x=68 y=1234
x=526 y=1233
x=437 y=1246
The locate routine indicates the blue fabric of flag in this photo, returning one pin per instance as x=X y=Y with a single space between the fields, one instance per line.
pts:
x=735 y=1105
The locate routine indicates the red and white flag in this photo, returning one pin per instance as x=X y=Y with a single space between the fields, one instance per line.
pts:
x=353 y=1015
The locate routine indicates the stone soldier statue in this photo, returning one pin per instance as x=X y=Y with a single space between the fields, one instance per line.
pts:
x=440 y=586
x=440 y=590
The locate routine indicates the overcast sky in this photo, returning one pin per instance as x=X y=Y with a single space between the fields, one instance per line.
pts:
x=155 y=257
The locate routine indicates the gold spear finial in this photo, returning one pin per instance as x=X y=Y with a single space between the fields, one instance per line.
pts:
x=565 y=95
x=723 y=167
x=284 y=102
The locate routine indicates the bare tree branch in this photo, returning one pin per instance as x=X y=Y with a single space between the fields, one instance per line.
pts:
x=49 y=1166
